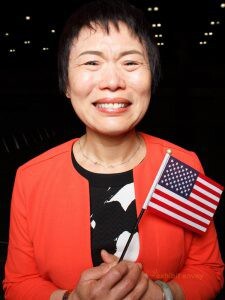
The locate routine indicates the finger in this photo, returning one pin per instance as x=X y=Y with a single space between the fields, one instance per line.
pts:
x=128 y=282
x=113 y=276
x=98 y=289
x=141 y=288
x=108 y=258
x=95 y=273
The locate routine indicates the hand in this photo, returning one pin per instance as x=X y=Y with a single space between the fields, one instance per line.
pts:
x=111 y=281
x=153 y=291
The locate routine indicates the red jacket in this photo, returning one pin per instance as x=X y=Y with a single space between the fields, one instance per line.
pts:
x=49 y=242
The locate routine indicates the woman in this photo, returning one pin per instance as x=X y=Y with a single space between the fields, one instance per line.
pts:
x=84 y=196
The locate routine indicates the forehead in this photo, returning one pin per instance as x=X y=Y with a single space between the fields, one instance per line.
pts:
x=99 y=37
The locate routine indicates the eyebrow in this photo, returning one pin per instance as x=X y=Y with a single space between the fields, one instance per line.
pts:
x=99 y=53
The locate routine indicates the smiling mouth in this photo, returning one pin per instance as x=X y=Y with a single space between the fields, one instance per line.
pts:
x=111 y=105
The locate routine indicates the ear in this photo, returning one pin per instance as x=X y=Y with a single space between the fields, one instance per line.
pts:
x=68 y=92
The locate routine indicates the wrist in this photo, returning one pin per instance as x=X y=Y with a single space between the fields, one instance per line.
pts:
x=69 y=295
x=166 y=290
x=176 y=290
x=57 y=294
x=154 y=291
x=66 y=295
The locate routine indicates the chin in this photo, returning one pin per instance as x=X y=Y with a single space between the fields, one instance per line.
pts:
x=113 y=132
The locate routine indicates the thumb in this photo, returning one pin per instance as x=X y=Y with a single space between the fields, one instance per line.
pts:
x=109 y=258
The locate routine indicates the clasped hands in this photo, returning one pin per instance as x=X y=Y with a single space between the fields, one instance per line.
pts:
x=115 y=281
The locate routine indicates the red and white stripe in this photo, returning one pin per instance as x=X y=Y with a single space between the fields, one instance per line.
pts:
x=194 y=213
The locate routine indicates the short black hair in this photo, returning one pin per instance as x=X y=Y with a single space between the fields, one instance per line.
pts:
x=104 y=13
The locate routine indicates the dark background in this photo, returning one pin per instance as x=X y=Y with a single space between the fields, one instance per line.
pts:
x=187 y=109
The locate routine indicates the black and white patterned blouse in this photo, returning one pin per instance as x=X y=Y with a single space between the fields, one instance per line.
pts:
x=113 y=213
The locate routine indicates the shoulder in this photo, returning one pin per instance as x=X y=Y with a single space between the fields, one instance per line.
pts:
x=52 y=156
x=158 y=147
x=161 y=143
x=46 y=176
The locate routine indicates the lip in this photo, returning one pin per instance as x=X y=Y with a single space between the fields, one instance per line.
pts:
x=112 y=100
x=112 y=110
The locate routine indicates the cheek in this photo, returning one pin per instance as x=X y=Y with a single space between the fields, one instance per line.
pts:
x=141 y=83
x=81 y=84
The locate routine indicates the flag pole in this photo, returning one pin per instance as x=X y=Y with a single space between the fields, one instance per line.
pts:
x=131 y=235
x=145 y=205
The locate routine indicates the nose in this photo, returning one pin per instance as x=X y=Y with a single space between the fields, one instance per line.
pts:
x=112 y=78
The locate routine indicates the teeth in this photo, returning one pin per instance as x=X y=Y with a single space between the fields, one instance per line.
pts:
x=111 y=105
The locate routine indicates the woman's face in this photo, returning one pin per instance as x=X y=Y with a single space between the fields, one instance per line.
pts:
x=109 y=80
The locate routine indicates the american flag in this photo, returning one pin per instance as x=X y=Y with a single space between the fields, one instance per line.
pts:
x=185 y=197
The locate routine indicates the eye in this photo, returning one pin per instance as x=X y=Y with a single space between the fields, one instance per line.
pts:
x=91 y=63
x=131 y=63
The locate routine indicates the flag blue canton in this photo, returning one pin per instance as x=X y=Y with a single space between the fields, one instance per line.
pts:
x=178 y=177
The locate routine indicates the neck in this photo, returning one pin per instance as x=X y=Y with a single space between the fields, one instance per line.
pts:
x=104 y=154
x=110 y=150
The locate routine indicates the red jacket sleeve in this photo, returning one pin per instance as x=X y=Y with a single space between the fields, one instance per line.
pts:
x=22 y=279
x=202 y=275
